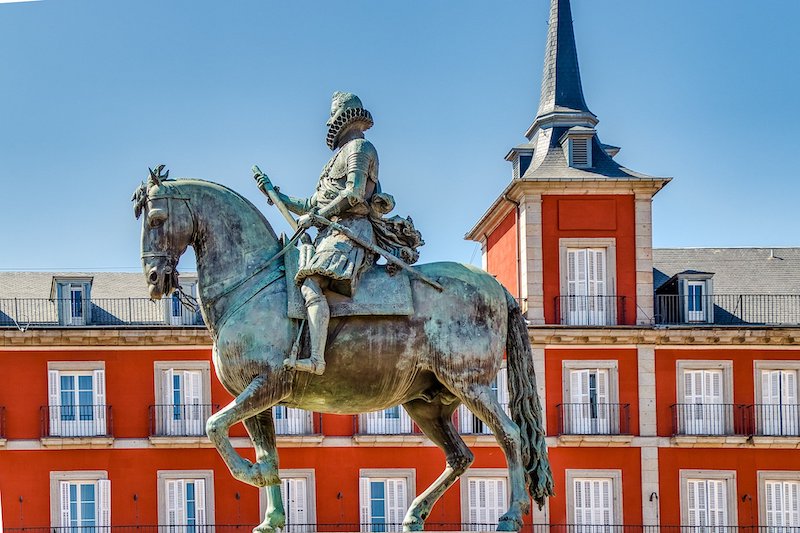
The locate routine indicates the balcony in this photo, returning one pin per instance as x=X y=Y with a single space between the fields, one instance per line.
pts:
x=590 y=310
x=63 y=424
x=175 y=420
x=593 y=418
x=296 y=422
x=775 y=420
x=713 y=420
x=45 y=312
x=390 y=426
x=728 y=309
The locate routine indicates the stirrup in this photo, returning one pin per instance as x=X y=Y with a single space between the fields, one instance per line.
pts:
x=314 y=365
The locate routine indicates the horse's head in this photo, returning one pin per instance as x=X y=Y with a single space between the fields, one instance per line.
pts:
x=167 y=230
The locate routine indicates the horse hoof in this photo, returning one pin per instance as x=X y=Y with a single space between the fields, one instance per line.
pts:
x=414 y=526
x=509 y=524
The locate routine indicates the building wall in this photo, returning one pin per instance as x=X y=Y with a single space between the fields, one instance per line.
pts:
x=502 y=253
x=589 y=216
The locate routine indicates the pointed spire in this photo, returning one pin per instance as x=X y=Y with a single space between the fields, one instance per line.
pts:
x=562 y=91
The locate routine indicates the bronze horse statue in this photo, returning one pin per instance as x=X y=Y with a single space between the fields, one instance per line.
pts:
x=445 y=354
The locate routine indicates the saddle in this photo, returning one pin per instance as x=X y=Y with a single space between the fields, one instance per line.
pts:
x=379 y=293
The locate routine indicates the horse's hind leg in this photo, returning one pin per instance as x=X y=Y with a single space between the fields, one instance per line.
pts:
x=261 y=428
x=435 y=419
x=261 y=394
x=480 y=400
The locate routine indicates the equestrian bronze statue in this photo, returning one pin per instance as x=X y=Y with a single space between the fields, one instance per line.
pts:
x=428 y=337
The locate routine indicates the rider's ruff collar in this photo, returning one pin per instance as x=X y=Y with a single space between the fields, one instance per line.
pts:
x=345 y=118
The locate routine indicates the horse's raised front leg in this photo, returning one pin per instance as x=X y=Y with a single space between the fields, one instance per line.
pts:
x=261 y=394
x=261 y=428
x=483 y=404
x=436 y=421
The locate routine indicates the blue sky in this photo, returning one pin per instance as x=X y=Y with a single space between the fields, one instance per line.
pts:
x=94 y=92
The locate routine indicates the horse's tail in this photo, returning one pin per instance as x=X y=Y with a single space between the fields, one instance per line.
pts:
x=526 y=409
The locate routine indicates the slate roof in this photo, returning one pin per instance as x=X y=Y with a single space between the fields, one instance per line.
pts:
x=561 y=81
x=736 y=270
x=104 y=284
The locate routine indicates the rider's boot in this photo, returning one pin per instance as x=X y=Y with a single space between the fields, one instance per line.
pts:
x=319 y=315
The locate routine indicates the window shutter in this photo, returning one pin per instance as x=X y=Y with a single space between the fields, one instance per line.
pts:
x=171 y=488
x=603 y=418
x=298 y=507
x=200 y=501
x=773 y=503
x=793 y=504
x=697 y=502
x=572 y=272
x=713 y=387
x=54 y=402
x=396 y=490
x=364 y=496
x=502 y=389
x=582 y=504
x=104 y=502
x=373 y=422
x=100 y=401
x=717 y=502
x=64 y=510
x=192 y=399
x=579 y=152
x=500 y=502
x=789 y=387
x=405 y=422
x=593 y=502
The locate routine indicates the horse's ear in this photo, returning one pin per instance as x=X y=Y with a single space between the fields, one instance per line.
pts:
x=153 y=180
x=166 y=176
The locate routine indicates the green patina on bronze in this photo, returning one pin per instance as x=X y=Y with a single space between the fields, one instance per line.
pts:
x=447 y=352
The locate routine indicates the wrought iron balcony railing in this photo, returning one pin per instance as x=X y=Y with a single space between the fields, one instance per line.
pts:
x=593 y=418
x=290 y=421
x=728 y=309
x=72 y=421
x=709 y=419
x=180 y=420
x=590 y=310
x=775 y=420
x=392 y=421
x=469 y=424
x=45 y=312
x=385 y=527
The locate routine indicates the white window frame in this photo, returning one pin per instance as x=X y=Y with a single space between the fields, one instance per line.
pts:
x=64 y=287
x=54 y=371
x=375 y=474
x=616 y=493
x=187 y=317
x=311 y=498
x=729 y=476
x=206 y=475
x=760 y=366
x=727 y=383
x=707 y=316
x=102 y=485
x=473 y=473
x=763 y=477
x=610 y=365
x=160 y=368
x=610 y=245
x=467 y=419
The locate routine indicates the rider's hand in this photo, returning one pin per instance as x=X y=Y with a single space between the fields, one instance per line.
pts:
x=305 y=221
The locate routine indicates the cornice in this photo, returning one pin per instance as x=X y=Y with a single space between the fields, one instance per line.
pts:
x=696 y=336
x=85 y=337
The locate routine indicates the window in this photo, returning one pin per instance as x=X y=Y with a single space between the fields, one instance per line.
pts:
x=778 y=412
x=470 y=424
x=385 y=496
x=183 y=398
x=179 y=314
x=580 y=152
x=779 y=500
x=185 y=500
x=594 y=499
x=708 y=499
x=291 y=421
x=392 y=421
x=80 y=499
x=72 y=300
x=299 y=500
x=484 y=498
x=587 y=284
x=76 y=399
x=590 y=398
x=704 y=396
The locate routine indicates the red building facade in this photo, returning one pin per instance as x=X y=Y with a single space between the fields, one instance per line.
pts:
x=668 y=377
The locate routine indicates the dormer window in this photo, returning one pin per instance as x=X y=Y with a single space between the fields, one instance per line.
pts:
x=577 y=145
x=178 y=313
x=71 y=296
x=520 y=157
x=687 y=298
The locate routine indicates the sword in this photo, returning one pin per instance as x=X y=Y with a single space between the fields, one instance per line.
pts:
x=270 y=191
x=378 y=250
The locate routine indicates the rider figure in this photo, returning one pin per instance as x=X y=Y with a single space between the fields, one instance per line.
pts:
x=344 y=190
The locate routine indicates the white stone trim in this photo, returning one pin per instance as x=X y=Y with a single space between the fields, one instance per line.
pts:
x=531 y=271
x=729 y=476
x=56 y=477
x=539 y=370
x=206 y=475
x=772 y=475
x=76 y=366
x=612 y=365
x=643 y=220
x=650 y=486
x=646 y=368
x=409 y=474
x=616 y=487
